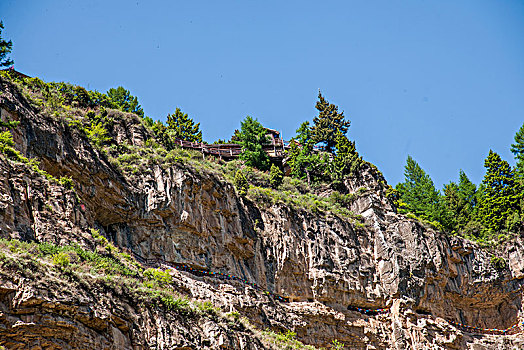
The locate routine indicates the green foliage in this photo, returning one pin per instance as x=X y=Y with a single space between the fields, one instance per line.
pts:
x=98 y=134
x=328 y=124
x=81 y=97
x=498 y=263
x=346 y=160
x=6 y=140
x=252 y=137
x=286 y=341
x=61 y=259
x=304 y=163
x=5 y=49
x=501 y=195
x=124 y=101
x=180 y=126
x=99 y=239
x=161 y=277
x=67 y=182
x=175 y=304
x=276 y=176
x=418 y=192
x=338 y=345
x=9 y=124
x=518 y=150
x=459 y=202
x=207 y=308
x=514 y=222
x=241 y=183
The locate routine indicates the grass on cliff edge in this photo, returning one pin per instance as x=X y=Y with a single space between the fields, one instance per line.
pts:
x=71 y=106
x=76 y=268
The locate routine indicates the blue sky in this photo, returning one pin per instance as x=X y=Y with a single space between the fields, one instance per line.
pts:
x=442 y=81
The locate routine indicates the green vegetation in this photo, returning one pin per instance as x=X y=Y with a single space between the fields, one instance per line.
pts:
x=303 y=161
x=5 y=49
x=502 y=193
x=241 y=183
x=7 y=148
x=285 y=341
x=317 y=175
x=418 y=194
x=480 y=214
x=275 y=176
x=252 y=137
x=498 y=263
x=124 y=101
x=158 y=276
x=345 y=162
x=518 y=150
x=180 y=126
x=61 y=259
x=328 y=124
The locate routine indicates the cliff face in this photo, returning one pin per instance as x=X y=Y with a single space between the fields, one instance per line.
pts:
x=325 y=263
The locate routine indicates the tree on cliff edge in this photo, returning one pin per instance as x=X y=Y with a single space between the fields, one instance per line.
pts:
x=418 y=192
x=252 y=137
x=5 y=49
x=328 y=124
x=518 y=150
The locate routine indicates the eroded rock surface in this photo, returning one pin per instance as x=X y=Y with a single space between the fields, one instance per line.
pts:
x=323 y=262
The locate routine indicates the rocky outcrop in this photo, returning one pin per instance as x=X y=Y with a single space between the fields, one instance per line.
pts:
x=323 y=262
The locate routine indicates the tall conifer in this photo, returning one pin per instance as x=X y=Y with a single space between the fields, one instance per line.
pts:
x=328 y=123
x=518 y=150
x=501 y=193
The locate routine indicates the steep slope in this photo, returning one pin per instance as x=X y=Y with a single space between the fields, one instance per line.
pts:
x=329 y=265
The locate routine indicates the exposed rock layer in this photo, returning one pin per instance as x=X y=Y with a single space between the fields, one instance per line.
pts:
x=325 y=263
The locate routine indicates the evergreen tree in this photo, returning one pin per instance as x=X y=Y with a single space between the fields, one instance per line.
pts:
x=275 y=176
x=459 y=202
x=518 y=150
x=328 y=124
x=252 y=137
x=162 y=135
x=124 y=101
x=180 y=126
x=502 y=193
x=304 y=163
x=418 y=192
x=5 y=49
x=346 y=160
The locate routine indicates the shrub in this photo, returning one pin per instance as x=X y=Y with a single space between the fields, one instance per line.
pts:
x=275 y=176
x=241 y=183
x=61 y=259
x=160 y=276
x=67 y=182
x=207 y=308
x=498 y=263
x=338 y=345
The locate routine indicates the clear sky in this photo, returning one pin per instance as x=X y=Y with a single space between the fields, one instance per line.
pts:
x=442 y=81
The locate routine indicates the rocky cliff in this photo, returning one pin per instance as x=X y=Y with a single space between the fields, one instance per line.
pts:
x=329 y=265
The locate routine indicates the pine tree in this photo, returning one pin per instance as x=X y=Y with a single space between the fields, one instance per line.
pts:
x=180 y=126
x=124 y=101
x=304 y=163
x=502 y=193
x=518 y=150
x=328 y=124
x=346 y=160
x=459 y=202
x=5 y=49
x=252 y=137
x=418 y=192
